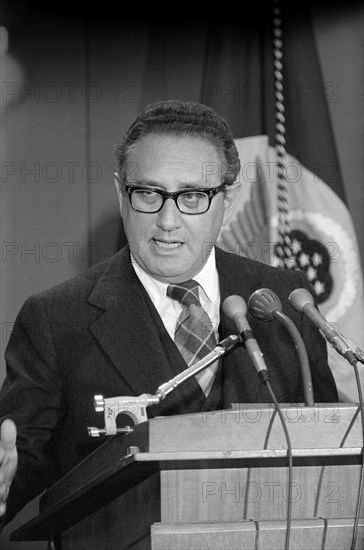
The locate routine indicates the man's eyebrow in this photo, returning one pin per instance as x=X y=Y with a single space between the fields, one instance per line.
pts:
x=151 y=183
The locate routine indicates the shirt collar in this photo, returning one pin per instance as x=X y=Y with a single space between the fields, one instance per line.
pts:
x=208 y=279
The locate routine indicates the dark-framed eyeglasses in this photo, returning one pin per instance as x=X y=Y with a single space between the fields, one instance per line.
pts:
x=192 y=201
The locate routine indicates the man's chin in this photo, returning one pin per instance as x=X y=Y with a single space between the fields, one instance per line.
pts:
x=172 y=273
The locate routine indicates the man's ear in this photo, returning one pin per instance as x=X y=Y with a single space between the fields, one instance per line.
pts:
x=118 y=191
x=231 y=199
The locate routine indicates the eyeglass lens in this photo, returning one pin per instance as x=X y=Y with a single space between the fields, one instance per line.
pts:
x=188 y=203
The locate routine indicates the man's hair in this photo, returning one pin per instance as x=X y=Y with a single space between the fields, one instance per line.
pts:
x=182 y=118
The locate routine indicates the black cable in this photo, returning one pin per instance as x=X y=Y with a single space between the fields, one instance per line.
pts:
x=290 y=466
x=302 y=356
x=264 y=304
x=361 y=483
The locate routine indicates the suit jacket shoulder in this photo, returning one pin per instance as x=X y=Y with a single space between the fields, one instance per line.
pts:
x=238 y=270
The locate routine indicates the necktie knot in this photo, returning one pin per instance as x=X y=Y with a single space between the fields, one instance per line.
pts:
x=186 y=293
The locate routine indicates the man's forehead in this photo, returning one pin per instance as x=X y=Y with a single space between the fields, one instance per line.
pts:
x=174 y=146
x=154 y=154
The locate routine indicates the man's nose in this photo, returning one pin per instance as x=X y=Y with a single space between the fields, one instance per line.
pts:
x=169 y=217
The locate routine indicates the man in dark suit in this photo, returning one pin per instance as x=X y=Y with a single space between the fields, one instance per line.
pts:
x=113 y=329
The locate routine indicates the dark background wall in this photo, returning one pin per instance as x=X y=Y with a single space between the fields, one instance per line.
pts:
x=72 y=81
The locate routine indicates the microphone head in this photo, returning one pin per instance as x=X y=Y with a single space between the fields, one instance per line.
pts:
x=234 y=305
x=299 y=298
x=262 y=304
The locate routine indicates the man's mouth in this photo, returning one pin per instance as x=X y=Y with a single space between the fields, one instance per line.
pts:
x=167 y=244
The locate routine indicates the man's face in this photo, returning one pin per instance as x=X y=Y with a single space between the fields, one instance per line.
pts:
x=169 y=245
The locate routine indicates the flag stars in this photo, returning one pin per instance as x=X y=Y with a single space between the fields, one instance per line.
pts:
x=304 y=260
x=316 y=259
x=311 y=273
x=296 y=246
x=307 y=255
x=319 y=288
x=292 y=262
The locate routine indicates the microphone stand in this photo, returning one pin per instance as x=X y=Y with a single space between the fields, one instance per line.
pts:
x=219 y=351
x=135 y=407
x=359 y=353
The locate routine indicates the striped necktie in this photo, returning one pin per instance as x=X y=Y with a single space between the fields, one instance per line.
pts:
x=194 y=335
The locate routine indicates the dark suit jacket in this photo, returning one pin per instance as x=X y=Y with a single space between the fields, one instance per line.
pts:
x=99 y=333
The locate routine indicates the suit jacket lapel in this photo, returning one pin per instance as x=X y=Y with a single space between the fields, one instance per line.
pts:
x=129 y=318
x=124 y=323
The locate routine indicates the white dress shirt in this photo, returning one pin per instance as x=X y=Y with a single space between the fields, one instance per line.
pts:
x=169 y=309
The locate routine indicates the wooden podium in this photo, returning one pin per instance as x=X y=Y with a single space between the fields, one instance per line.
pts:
x=214 y=480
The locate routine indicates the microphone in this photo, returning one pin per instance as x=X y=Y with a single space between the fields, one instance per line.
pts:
x=235 y=309
x=264 y=304
x=302 y=300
